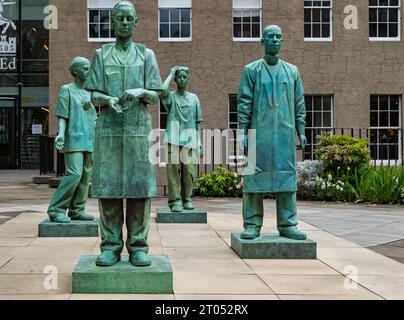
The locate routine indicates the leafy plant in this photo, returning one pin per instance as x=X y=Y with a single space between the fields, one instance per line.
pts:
x=380 y=185
x=329 y=190
x=307 y=173
x=341 y=155
x=219 y=183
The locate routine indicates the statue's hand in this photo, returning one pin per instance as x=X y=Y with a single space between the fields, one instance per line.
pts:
x=133 y=94
x=201 y=151
x=60 y=142
x=114 y=104
x=173 y=70
x=303 y=141
x=87 y=105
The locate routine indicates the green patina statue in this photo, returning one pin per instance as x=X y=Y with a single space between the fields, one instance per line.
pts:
x=183 y=139
x=271 y=102
x=124 y=78
x=76 y=118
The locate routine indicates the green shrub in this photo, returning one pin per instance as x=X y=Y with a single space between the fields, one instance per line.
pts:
x=383 y=185
x=341 y=155
x=329 y=190
x=219 y=183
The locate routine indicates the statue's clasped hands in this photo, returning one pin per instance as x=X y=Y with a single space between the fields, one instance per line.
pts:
x=129 y=95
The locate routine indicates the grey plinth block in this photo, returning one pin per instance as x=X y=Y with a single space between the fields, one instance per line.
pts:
x=74 y=229
x=273 y=246
x=123 y=277
x=165 y=215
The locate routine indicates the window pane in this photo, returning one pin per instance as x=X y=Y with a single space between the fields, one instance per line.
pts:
x=185 y=30
x=104 y=30
x=164 y=30
x=393 y=15
x=384 y=102
x=394 y=2
x=237 y=30
x=185 y=15
x=383 y=2
x=373 y=30
x=316 y=15
x=256 y=30
x=394 y=103
x=94 y=16
x=175 y=30
x=316 y=31
x=255 y=16
x=327 y=119
x=372 y=15
x=174 y=15
x=246 y=17
x=104 y=16
x=326 y=15
x=164 y=15
x=307 y=15
x=394 y=119
x=317 y=103
x=382 y=15
x=246 y=31
x=384 y=119
x=307 y=30
x=374 y=103
x=326 y=31
x=393 y=30
x=94 y=31
x=307 y=101
x=374 y=119
x=317 y=119
x=372 y=2
x=309 y=119
x=327 y=103
x=237 y=14
x=382 y=29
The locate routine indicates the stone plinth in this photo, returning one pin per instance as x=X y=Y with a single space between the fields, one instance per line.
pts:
x=165 y=215
x=74 y=229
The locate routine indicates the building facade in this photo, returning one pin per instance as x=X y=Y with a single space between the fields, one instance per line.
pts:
x=24 y=82
x=350 y=55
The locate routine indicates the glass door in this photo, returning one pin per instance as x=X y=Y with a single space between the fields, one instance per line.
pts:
x=8 y=133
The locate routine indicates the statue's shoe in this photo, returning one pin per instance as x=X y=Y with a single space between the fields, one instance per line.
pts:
x=188 y=205
x=59 y=218
x=177 y=208
x=140 y=259
x=107 y=259
x=250 y=234
x=293 y=233
x=83 y=216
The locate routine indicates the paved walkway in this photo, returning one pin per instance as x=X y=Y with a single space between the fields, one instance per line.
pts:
x=204 y=265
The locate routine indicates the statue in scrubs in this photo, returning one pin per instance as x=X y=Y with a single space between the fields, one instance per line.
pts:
x=76 y=120
x=271 y=104
x=124 y=79
x=183 y=139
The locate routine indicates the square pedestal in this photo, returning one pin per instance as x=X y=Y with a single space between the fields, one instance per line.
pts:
x=123 y=277
x=273 y=246
x=187 y=216
x=76 y=229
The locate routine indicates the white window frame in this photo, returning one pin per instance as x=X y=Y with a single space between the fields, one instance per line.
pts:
x=328 y=39
x=322 y=127
x=398 y=38
x=398 y=128
x=174 y=6
x=99 y=7
x=242 y=39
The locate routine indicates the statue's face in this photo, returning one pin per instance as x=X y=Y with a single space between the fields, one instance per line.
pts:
x=125 y=22
x=181 y=79
x=82 y=71
x=272 y=40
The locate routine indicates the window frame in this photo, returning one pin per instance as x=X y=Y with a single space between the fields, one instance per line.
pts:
x=322 y=128
x=170 y=39
x=387 y=39
x=322 y=39
x=243 y=39
x=379 y=128
x=101 y=7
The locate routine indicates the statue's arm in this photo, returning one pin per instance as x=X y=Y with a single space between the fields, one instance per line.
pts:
x=300 y=110
x=245 y=100
x=166 y=85
x=60 y=139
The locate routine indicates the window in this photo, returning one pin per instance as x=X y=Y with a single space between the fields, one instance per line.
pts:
x=385 y=127
x=100 y=27
x=318 y=20
x=384 y=20
x=175 y=20
x=247 y=20
x=233 y=120
x=319 y=112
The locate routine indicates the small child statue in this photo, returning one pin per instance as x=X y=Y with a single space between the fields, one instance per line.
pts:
x=76 y=119
x=183 y=139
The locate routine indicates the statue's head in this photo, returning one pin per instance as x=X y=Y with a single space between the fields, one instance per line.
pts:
x=272 y=39
x=124 y=19
x=182 y=77
x=80 y=68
